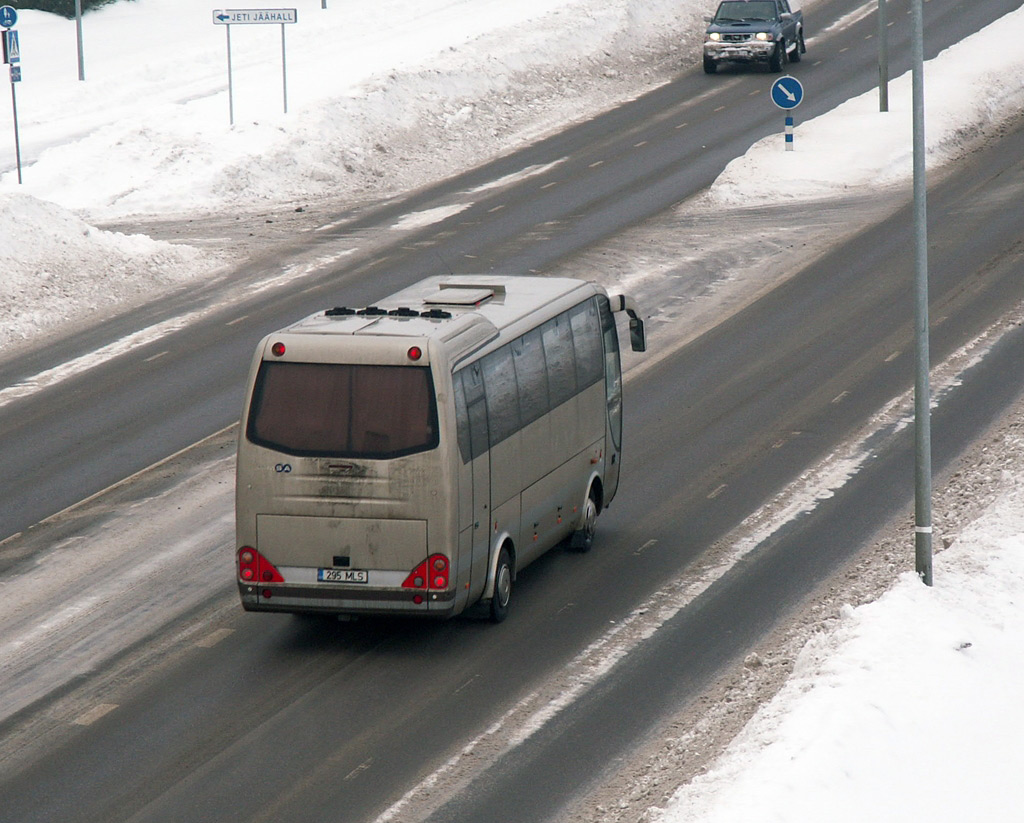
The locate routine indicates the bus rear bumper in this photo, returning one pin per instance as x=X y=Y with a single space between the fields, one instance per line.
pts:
x=338 y=600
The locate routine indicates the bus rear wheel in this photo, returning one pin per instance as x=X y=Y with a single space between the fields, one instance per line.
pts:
x=502 y=586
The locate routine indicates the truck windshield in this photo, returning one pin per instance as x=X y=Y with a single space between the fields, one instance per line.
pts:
x=734 y=12
x=342 y=410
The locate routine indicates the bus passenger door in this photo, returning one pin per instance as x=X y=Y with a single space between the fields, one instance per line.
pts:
x=479 y=435
x=613 y=399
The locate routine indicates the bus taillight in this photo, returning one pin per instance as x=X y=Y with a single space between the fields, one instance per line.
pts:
x=439 y=572
x=255 y=568
x=432 y=573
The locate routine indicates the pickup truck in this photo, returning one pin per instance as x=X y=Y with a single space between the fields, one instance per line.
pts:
x=754 y=31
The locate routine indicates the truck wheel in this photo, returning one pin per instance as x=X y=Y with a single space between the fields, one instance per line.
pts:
x=710 y=67
x=502 y=586
x=778 y=58
x=800 y=49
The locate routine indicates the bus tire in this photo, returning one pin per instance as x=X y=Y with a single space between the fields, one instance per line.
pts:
x=502 y=586
x=583 y=538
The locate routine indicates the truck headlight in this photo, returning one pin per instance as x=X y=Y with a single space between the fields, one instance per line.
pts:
x=762 y=35
x=714 y=36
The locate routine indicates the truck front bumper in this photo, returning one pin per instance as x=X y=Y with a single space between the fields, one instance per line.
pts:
x=751 y=51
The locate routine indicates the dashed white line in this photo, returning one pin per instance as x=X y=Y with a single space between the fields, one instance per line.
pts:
x=645 y=546
x=213 y=638
x=362 y=767
x=94 y=714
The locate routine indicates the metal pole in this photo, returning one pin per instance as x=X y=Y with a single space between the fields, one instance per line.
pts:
x=81 y=49
x=883 y=58
x=284 y=71
x=17 y=141
x=231 y=89
x=922 y=391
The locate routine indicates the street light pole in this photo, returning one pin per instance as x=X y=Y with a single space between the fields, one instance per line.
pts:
x=78 y=28
x=883 y=58
x=922 y=390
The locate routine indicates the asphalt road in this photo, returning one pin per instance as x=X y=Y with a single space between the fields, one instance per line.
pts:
x=290 y=720
x=77 y=437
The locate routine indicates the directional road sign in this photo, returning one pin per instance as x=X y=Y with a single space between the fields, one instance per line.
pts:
x=227 y=17
x=8 y=16
x=787 y=92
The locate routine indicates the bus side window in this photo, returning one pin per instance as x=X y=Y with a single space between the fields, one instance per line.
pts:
x=502 y=394
x=462 y=418
x=586 y=335
x=561 y=359
x=471 y=382
x=531 y=375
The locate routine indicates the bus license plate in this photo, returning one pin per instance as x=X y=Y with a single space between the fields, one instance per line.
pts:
x=342 y=575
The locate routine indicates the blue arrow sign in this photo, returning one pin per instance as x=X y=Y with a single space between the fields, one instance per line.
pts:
x=8 y=16
x=787 y=92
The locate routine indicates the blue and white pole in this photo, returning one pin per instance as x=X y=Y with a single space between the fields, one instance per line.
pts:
x=787 y=93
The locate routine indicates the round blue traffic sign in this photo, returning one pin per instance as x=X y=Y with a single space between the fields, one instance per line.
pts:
x=8 y=16
x=787 y=92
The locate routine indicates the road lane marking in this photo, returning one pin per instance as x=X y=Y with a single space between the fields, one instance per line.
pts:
x=717 y=492
x=94 y=714
x=645 y=546
x=157 y=356
x=467 y=683
x=213 y=638
x=362 y=767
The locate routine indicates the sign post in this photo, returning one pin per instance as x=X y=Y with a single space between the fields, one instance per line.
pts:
x=227 y=17
x=788 y=93
x=12 y=56
x=78 y=34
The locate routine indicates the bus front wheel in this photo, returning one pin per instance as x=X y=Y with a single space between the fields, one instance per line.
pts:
x=502 y=586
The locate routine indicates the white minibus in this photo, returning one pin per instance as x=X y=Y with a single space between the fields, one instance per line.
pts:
x=412 y=458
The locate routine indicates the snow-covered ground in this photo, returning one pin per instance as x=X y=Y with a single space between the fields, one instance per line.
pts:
x=906 y=709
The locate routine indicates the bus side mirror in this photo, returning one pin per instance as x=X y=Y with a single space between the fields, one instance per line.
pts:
x=637 y=335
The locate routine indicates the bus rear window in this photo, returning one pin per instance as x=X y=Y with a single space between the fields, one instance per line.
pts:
x=342 y=410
